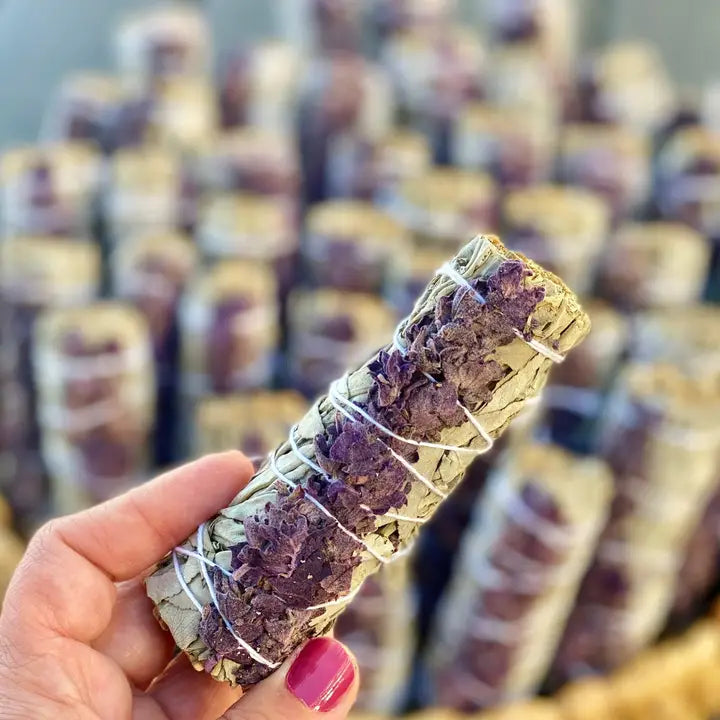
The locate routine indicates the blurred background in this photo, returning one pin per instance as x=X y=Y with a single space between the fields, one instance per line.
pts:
x=210 y=210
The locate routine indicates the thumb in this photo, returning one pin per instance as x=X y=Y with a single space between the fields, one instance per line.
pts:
x=319 y=681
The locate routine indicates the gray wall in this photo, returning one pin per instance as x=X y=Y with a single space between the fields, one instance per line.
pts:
x=43 y=40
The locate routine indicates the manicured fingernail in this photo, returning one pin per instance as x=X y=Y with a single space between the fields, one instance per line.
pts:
x=321 y=674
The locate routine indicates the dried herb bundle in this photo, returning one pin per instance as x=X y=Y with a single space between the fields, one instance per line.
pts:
x=522 y=560
x=367 y=465
x=661 y=440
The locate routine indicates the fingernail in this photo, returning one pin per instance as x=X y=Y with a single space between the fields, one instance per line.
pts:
x=321 y=674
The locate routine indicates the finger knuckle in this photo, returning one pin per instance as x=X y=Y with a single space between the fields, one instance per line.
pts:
x=44 y=542
x=38 y=582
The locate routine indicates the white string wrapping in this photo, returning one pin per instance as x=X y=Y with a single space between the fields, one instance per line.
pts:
x=337 y=400
x=83 y=419
x=313 y=465
x=69 y=367
x=202 y=558
x=184 y=585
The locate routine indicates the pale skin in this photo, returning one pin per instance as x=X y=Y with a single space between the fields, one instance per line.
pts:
x=77 y=635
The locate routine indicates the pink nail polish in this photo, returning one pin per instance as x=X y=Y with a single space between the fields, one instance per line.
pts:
x=321 y=674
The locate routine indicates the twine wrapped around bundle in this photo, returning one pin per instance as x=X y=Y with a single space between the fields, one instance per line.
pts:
x=367 y=465
x=37 y=273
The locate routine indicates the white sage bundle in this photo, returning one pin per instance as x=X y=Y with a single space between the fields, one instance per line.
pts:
x=654 y=265
x=365 y=167
x=255 y=161
x=686 y=335
x=444 y=205
x=628 y=84
x=435 y=75
x=229 y=321
x=259 y=87
x=253 y=422
x=330 y=330
x=152 y=271
x=367 y=465
x=146 y=191
x=661 y=439
x=513 y=144
x=36 y=274
x=613 y=161
x=550 y=25
x=162 y=42
x=522 y=560
x=49 y=190
x=94 y=371
x=564 y=229
x=351 y=245
x=343 y=99
x=688 y=178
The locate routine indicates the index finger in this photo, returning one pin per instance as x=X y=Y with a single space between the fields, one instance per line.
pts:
x=126 y=535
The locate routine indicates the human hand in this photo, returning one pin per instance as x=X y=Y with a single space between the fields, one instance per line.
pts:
x=78 y=638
